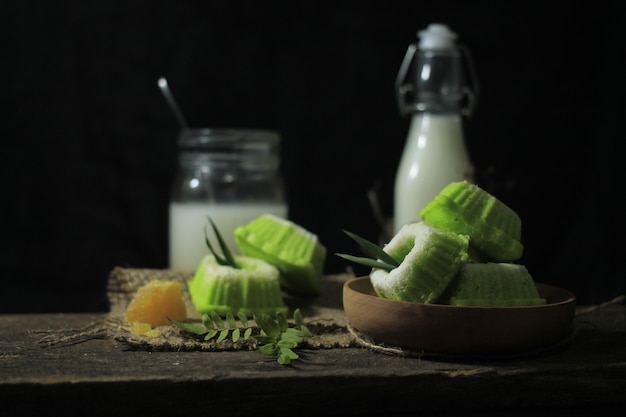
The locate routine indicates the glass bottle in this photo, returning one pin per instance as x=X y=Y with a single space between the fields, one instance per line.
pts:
x=231 y=175
x=433 y=87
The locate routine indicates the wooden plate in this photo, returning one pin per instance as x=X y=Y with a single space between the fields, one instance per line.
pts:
x=453 y=330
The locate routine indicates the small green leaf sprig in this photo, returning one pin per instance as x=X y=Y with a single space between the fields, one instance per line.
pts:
x=381 y=259
x=277 y=338
x=212 y=326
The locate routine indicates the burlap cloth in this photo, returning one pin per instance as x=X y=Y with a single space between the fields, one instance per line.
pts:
x=323 y=315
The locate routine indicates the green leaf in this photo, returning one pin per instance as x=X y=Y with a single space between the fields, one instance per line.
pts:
x=194 y=328
x=268 y=325
x=281 y=319
x=287 y=344
x=291 y=342
x=222 y=336
x=247 y=333
x=243 y=318
x=206 y=320
x=264 y=339
x=286 y=356
x=269 y=349
x=236 y=335
x=218 y=258
x=305 y=331
x=228 y=259
x=373 y=249
x=292 y=334
x=297 y=317
x=230 y=319
x=211 y=334
x=217 y=320
x=367 y=262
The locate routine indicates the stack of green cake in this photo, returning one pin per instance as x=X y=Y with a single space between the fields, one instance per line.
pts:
x=461 y=253
x=277 y=255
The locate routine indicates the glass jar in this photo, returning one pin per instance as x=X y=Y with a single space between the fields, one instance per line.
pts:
x=229 y=175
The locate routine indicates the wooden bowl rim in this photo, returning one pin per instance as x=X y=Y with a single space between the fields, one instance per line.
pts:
x=545 y=290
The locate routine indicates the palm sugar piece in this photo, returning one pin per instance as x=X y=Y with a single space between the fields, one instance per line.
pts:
x=155 y=302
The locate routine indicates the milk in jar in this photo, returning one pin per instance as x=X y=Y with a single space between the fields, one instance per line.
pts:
x=228 y=175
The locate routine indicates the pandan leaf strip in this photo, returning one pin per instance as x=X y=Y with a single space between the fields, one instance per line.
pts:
x=373 y=263
x=382 y=260
x=373 y=249
x=227 y=259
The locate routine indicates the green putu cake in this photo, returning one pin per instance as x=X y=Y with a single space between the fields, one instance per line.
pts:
x=253 y=288
x=429 y=259
x=494 y=229
x=296 y=252
x=494 y=285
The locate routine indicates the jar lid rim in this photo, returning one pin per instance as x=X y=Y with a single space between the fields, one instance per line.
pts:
x=234 y=132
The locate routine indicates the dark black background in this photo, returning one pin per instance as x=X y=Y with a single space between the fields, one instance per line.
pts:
x=88 y=142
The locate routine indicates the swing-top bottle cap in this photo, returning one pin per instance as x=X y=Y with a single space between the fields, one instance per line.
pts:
x=445 y=87
x=436 y=36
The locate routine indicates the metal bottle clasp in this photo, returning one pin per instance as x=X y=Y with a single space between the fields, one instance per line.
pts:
x=403 y=88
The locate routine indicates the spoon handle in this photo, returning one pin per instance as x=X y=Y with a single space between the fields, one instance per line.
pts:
x=163 y=85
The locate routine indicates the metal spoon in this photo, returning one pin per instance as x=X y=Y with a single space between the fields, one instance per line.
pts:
x=170 y=99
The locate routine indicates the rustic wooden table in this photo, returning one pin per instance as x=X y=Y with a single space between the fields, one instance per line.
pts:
x=100 y=376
